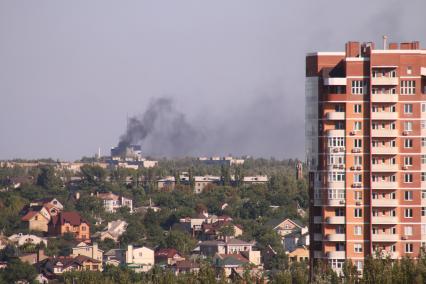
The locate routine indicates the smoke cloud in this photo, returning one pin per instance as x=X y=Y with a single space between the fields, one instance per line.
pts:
x=165 y=127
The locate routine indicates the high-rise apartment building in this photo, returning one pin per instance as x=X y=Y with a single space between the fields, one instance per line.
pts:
x=366 y=152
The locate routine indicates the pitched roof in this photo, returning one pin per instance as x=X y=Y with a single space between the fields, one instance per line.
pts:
x=238 y=242
x=186 y=264
x=27 y=217
x=108 y=196
x=275 y=222
x=166 y=252
x=70 y=217
x=231 y=259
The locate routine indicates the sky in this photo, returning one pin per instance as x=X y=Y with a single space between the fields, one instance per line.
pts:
x=73 y=72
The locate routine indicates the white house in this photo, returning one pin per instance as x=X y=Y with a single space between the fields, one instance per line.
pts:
x=140 y=259
x=113 y=201
x=91 y=251
x=113 y=231
x=21 y=239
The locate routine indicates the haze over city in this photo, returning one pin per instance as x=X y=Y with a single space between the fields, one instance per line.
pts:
x=233 y=71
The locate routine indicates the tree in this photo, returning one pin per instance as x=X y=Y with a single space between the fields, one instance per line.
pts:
x=18 y=271
x=227 y=230
x=180 y=241
x=93 y=174
x=48 y=179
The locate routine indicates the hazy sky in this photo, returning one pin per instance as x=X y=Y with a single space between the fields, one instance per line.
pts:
x=71 y=71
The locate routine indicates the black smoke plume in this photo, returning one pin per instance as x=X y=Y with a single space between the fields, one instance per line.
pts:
x=165 y=125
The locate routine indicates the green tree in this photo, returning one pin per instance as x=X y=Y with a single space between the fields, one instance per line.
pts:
x=48 y=179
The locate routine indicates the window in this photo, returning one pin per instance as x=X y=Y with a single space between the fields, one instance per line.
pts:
x=408 y=87
x=357 y=143
x=408 y=161
x=423 y=211
x=358 y=230
x=408 y=213
x=409 y=248
x=423 y=142
x=408 y=143
x=357 y=178
x=358 y=212
x=358 y=195
x=409 y=70
x=357 y=108
x=357 y=160
x=408 y=230
x=408 y=126
x=408 y=108
x=423 y=194
x=359 y=87
x=358 y=248
x=357 y=125
x=408 y=195
x=423 y=176
x=336 y=142
x=423 y=107
x=423 y=159
x=408 y=178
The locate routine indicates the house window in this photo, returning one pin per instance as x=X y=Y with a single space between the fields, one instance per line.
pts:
x=408 y=87
x=408 y=126
x=423 y=211
x=408 y=195
x=357 y=178
x=408 y=230
x=409 y=248
x=357 y=108
x=359 y=87
x=358 y=212
x=408 y=143
x=408 y=178
x=83 y=228
x=357 y=125
x=358 y=195
x=359 y=265
x=423 y=176
x=357 y=230
x=408 y=213
x=358 y=248
x=408 y=161
x=408 y=108
x=357 y=143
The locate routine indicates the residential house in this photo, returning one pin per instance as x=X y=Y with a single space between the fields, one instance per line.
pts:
x=255 y=179
x=54 y=266
x=115 y=257
x=295 y=239
x=140 y=259
x=38 y=219
x=70 y=222
x=185 y=266
x=113 y=231
x=91 y=251
x=299 y=254
x=210 y=248
x=168 y=183
x=194 y=224
x=113 y=201
x=213 y=231
x=22 y=239
x=284 y=227
x=167 y=256
x=201 y=182
x=51 y=204
x=229 y=262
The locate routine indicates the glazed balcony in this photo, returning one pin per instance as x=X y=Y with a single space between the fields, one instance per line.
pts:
x=384 y=150
x=385 y=238
x=335 y=81
x=336 y=184
x=384 y=115
x=384 y=220
x=317 y=219
x=336 y=133
x=336 y=237
x=384 y=98
x=384 y=167
x=384 y=185
x=336 y=254
x=335 y=220
x=336 y=202
x=318 y=237
x=384 y=133
x=384 y=81
x=384 y=202
x=334 y=115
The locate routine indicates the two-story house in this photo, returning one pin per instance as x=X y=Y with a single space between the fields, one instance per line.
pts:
x=140 y=259
x=112 y=202
x=91 y=251
x=70 y=222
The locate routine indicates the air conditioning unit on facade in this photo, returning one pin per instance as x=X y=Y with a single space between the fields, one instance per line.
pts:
x=405 y=167
x=352 y=168
x=358 y=203
x=342 y=149
x=342 y=202
x=341 y=166
x=405 y=133
x=358 y=168
x=352 y=133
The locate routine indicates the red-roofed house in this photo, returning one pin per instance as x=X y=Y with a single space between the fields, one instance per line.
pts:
x=70 y=222
x=38 y=220
x=168 y=256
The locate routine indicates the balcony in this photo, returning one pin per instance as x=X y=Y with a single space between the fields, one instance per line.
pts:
x=336 y=254
x=384 y=202
x=386 y=254
x=318 y=254
x=335 y=81
x=384 y=185
x=336 y=237
x=336 y=202
x=336 y=133
x=384 y=167
x=423 y=71
x=384 y=81
x=335 y=220
x=385 y=238
x=384 y=98
x=318 y=237
x=317 y=219
x=336 y=184
x=384 y=115
x=384 y=220
x=334 y=115
x=384 y=133
x=317 y=202
x=384 y=150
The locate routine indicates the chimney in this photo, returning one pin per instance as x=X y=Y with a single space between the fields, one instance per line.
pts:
x=385 y=42
x=393 y=45
x=352 y=49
